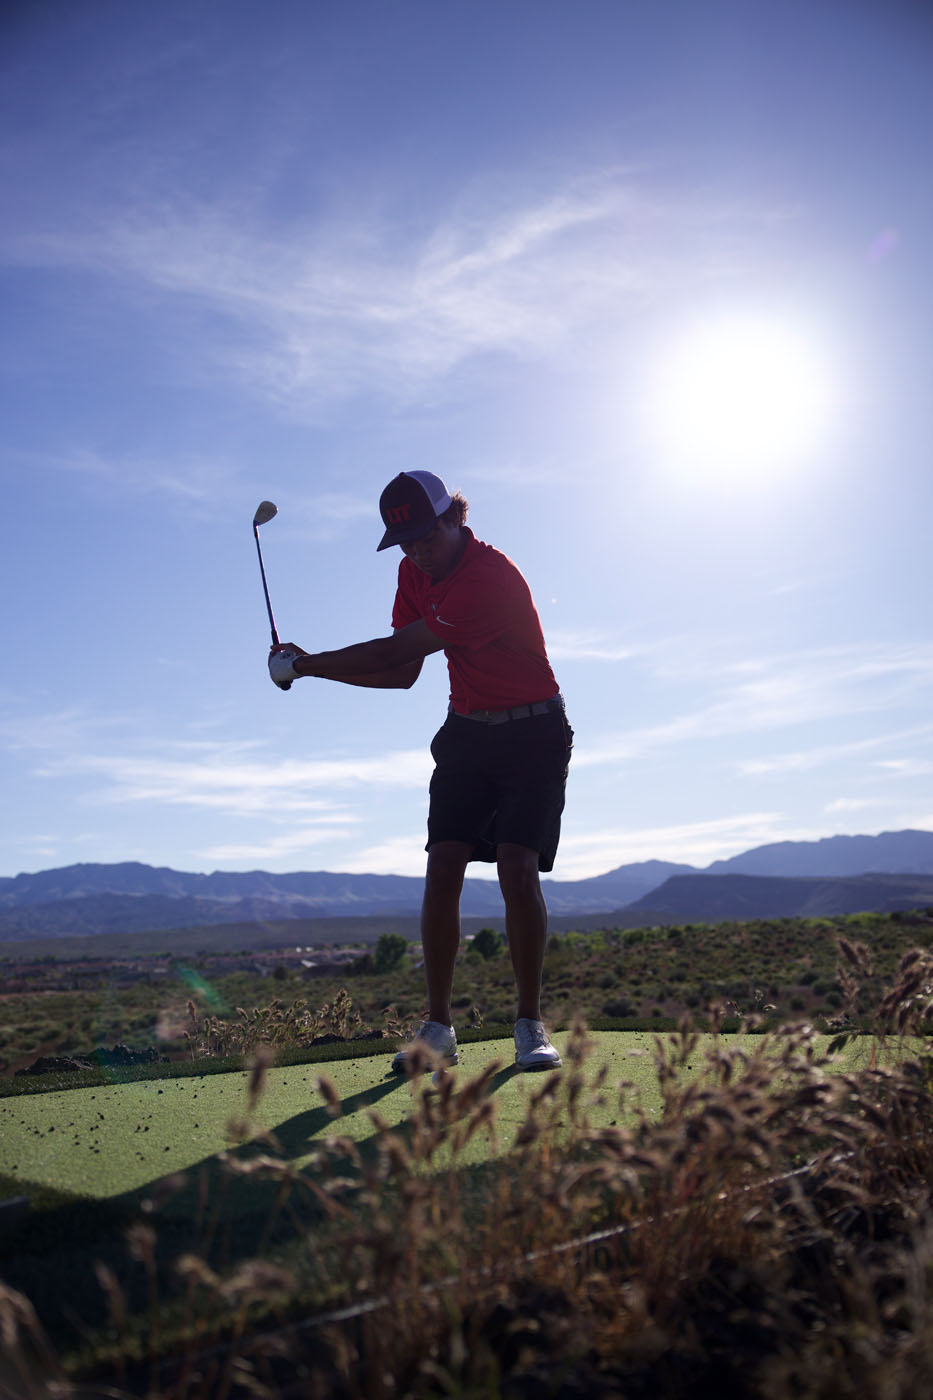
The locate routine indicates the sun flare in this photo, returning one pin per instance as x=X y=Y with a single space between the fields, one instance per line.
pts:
x=739 y=397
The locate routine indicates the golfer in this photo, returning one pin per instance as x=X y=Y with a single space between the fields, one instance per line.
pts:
x=501 y=756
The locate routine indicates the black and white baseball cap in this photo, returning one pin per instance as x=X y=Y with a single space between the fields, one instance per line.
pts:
x=409 y=507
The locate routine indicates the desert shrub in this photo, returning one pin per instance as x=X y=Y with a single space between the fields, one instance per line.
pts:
x=488 y=943
x=500 y=1012
x=390 y=949
x=619 y=1008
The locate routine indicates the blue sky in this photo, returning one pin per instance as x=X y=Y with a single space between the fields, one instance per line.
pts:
x=650 y=284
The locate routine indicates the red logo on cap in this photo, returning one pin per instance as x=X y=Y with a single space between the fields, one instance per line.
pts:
x=397 y=515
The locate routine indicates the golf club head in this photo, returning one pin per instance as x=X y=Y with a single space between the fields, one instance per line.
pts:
x=264 y=512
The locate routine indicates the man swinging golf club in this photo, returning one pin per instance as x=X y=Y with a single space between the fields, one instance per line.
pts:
x=501 y=756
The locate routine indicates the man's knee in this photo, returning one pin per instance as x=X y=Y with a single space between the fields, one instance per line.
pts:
x=447 y=863
x=518 y=870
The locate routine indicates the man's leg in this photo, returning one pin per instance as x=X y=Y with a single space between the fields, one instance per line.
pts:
x=440 y=922
x=525 y=923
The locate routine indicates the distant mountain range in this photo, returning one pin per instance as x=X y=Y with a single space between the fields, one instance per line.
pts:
x=839 y=874
x=716 y=898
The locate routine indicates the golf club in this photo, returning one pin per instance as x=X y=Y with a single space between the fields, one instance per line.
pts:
x=264 y=513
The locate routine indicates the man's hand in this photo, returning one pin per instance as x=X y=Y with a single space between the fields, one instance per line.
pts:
x=282 y=664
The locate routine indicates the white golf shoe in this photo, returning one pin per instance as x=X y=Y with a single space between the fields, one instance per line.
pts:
x=434 y=1042
x=533 y=1050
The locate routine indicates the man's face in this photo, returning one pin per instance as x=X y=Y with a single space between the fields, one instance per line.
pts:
x=438 y=551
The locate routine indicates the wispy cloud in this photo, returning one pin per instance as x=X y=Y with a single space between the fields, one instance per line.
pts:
x=333 y=308
x=402 y=855
x=696 y=843
x=352 y=302
x=805 y=584
x=201 y=485
x=586 y=646
x=232 y=776
x=822 y=755
x=779 y=692
x=906 y=767
x=300 y=844
x=504 y=471
x=195 y=482
x=241 y=788
x=67 y=730
x=326 y=516
x=851 y=804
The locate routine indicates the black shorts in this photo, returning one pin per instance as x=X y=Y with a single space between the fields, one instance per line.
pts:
x=500 y=782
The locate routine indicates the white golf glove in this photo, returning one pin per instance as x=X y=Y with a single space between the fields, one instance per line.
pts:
x=282 y=668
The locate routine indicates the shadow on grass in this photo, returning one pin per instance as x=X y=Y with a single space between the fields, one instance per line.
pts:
x=50 y=1254
x=225 y=1217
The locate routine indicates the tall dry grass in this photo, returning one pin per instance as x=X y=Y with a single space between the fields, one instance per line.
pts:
x=767 y=1235
x=281 y=1024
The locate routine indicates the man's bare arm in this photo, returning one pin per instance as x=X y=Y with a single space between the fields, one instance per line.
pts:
x=387 y=663
x=399 y=678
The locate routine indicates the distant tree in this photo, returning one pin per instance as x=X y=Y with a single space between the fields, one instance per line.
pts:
x=389 y=952
x=489 y=943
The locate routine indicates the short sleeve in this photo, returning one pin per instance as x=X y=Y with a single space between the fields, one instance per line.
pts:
x=406 y=608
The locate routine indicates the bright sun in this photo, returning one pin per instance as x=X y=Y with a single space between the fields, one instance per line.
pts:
x=739 y=397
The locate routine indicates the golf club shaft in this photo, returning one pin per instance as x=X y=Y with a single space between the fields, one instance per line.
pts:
x=265 y=588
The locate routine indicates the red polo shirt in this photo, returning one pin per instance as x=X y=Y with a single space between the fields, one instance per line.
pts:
x=485 y=614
